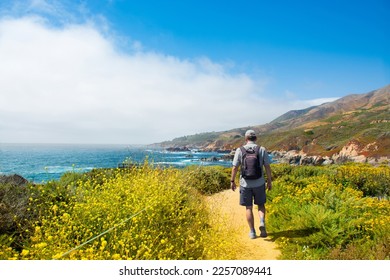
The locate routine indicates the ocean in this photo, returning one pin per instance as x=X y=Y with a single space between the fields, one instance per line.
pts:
x=44 y=162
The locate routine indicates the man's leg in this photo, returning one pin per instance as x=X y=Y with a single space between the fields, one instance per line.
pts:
x=263 y=232
x=251 y=223
x=246 y=200
x=260 y=199
x=249 y=217
x=262 y=214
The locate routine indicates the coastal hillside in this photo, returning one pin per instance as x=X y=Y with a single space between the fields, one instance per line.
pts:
x=355 y=126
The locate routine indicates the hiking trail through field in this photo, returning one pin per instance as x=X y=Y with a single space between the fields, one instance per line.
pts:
x=227 y=202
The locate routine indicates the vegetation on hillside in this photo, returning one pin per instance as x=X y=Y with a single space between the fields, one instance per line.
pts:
x=331 y=136
x=322 y=130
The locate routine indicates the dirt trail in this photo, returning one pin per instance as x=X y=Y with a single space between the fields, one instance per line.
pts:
x=252 y=249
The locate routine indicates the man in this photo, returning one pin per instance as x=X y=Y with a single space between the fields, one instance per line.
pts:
x=252 y=191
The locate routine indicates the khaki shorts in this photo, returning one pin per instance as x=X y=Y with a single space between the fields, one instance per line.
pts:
x=250 y=196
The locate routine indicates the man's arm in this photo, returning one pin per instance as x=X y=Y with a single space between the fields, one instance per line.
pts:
x=236 y=163
x=233 y=177
x=269 y=176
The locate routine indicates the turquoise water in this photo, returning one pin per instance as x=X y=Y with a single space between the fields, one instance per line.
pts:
x=44 y=162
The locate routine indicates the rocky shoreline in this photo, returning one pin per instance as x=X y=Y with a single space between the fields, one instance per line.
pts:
x=299 y=158
x=352 y=152
x=189 y=149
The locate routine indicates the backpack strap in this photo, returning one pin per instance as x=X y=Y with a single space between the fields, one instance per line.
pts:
x=244 y=151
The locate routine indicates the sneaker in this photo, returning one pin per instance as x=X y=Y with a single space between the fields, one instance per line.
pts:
x=263 y=232
x=252 y=235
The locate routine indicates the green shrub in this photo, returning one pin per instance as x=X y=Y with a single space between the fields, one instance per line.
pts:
x=279 y=170
x=318 y=218
x=143 y=213
x=15 y=214
x=372 y=181
x=207 y=180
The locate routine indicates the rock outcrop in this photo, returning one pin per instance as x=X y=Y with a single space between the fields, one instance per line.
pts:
x=354 y=151
x=357 y=152
x=299 y=158
x=15 y=180
x=14 y=196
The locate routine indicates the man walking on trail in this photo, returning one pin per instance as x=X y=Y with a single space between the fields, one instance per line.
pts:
x=252 y=158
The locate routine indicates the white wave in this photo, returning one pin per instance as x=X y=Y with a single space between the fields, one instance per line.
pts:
x=63 y=169
x=170 y=163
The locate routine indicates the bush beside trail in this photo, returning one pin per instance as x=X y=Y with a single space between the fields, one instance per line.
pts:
x=207 y=180
x=152 y=213
x=337 y=213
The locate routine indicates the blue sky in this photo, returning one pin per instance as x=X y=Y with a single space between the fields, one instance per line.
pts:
x=313 y=48
x=164 y=69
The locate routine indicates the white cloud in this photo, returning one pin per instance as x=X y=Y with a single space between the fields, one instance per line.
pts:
x=292 y=100
x=42 y=5
x=289 y=94
x=313 y=102
x=320 y=101
x=69 y=84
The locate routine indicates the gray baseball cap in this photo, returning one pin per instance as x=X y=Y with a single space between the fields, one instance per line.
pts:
x=250 y=132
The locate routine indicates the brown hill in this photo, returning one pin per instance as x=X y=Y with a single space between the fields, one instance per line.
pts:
x=361 y=120
x=374 y=99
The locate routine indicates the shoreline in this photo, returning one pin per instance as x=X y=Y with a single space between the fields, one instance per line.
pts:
x=349 y=153
x=39 y=171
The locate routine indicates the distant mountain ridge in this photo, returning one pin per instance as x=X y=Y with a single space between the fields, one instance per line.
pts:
x=292 y=114
x=340 y=106
x=324 y=130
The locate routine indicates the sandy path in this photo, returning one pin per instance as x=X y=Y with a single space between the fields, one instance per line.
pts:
x=252 y=249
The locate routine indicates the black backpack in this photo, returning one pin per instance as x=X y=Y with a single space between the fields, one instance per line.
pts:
x=250 y=168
